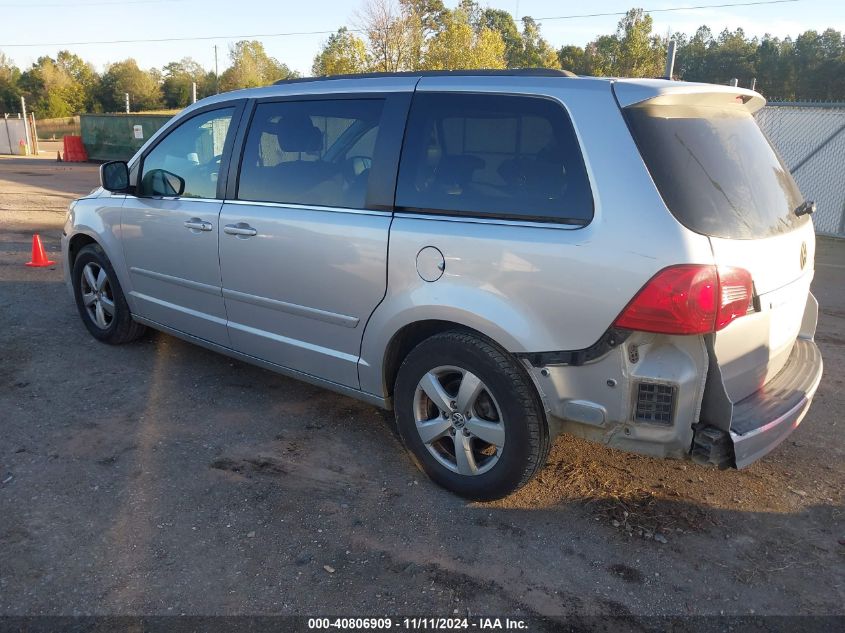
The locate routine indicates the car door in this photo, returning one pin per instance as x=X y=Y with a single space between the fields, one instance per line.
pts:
x=303 y=248
x=170 y=236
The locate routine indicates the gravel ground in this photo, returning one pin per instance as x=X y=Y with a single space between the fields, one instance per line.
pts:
x=160 y=478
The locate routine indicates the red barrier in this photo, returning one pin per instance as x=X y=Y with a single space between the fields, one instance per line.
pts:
x=74 y=150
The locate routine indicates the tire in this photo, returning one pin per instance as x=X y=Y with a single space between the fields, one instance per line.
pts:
x=493 y=438
x=100 y=299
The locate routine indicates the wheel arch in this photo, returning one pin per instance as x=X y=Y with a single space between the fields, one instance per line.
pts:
x=76 y=243
x=412 y=334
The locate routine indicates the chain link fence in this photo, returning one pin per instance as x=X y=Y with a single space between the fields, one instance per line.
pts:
x=810 y=138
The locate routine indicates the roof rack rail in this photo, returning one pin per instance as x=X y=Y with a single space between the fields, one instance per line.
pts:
x=510 y=72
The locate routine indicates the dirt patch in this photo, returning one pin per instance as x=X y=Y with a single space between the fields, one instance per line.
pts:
x=626 y=573
x=260 y=465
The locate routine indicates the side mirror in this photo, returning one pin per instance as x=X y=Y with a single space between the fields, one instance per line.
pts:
x=159 y=182
x=114 y=176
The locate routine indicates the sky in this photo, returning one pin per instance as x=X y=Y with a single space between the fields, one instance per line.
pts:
x=47 y=26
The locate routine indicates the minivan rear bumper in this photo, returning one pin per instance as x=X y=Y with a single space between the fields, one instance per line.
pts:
x=765 y=418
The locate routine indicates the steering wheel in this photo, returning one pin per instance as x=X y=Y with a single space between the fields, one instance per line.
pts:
x=355 y=168
x=210 y=167
x=357 y=165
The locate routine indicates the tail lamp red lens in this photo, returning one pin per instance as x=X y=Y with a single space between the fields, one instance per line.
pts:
x=689 y=299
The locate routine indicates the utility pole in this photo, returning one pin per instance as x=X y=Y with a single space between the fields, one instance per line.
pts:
x=35 y=148
x=25 y=124
x=127 y=102
x=193 y=92
x=670 y=59
x=216 y=74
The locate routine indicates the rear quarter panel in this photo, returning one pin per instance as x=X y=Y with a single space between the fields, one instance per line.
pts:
x=537 y=288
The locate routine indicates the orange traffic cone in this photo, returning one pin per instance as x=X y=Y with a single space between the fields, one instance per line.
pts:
x=39 y=257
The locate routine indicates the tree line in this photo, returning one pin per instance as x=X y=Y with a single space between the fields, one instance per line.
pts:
x=410 y=35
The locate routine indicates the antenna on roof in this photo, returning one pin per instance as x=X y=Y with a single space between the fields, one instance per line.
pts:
x=670 y=60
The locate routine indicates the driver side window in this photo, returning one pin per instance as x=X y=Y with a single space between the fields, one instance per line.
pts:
x=192 y=152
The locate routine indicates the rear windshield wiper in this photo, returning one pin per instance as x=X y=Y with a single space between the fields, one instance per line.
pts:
x=805 y=208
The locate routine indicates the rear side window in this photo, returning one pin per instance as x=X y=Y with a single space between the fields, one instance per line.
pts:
x=484 y=155
x=716 y=171
x=311 y=152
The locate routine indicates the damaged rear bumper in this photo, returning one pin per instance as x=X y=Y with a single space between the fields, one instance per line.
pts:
x=765 y=418
x=597 y=400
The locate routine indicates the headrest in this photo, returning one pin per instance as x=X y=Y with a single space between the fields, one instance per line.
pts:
x=296 y=133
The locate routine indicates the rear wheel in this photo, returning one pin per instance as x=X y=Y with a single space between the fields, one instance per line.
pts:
x=470 y=416
x=100 y=299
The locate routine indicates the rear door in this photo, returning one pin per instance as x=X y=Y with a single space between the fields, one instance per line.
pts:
x=719 y=176
x=303 y=248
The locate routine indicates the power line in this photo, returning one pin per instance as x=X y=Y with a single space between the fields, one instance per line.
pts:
x=703 y=6
x=182 y=39
x=119 y=3
x=295 y=33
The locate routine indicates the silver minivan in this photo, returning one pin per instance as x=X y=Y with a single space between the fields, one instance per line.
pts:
x=497 y=256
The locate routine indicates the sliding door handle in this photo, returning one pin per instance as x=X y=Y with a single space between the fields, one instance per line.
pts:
x=198 y=224
x=241 y=228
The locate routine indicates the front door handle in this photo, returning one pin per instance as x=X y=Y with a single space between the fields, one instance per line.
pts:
x=241 y=228
x=198 y=224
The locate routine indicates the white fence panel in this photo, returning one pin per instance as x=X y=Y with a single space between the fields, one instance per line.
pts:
x=12 y=132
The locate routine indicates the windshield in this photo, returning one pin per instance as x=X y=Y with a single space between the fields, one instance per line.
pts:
x=716 y=171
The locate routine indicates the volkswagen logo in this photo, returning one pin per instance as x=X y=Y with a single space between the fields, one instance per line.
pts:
x=803 y=258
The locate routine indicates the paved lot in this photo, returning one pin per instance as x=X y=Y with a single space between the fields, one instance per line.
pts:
x=160 y=478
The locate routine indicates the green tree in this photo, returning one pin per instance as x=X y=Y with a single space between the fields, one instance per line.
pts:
x=641 y=54
x=252 y=67
x=691 y=55
x=773 y=68
x=731 y=56
x=533 y=51
x=143 y=87
x=421 y=20
x=573 y=59
x=458 y=45
x=9 y=88
x=177 y=89
x=502 y=22
x=51 y=90
x=818 y=65
x=601 y=56
x=342 y=54
x=84 y=77
x=630 y=52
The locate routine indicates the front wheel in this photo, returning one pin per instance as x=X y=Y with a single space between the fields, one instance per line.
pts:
x=470 y=416
x=100 y=299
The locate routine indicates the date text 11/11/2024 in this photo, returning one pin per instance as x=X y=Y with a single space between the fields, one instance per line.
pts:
x=419 y=624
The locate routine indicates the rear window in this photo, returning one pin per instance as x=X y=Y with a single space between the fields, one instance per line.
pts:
x=485 y=155
x=716 y=171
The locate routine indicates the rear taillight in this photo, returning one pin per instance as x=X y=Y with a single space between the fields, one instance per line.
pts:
x=688 y=299
x=735 y=294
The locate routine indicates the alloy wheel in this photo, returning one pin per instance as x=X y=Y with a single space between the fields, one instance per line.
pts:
x=458 y=420
x=97 y=295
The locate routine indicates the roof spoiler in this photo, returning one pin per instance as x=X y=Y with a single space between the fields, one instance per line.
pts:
x=657 y=92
